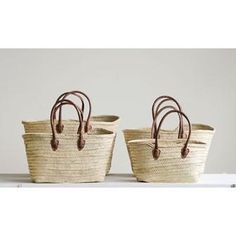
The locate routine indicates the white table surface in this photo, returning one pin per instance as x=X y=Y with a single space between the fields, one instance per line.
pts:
x=120 y=180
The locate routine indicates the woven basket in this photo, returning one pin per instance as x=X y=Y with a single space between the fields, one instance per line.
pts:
x=168 y=160
x=200 y=132
x=108 y=122
x=65 y=157
x=67 y=164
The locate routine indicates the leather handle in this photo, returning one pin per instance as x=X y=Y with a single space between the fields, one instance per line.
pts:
x=166 y=99
x=77 y=94
x=64 y=102
x=59 y=125
x=184 y=152
x=54 y=140
x=157 y=113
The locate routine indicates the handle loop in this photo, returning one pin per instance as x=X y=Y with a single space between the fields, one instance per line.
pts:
x=55 y=141
x=157 y=113
x=77 y=94
x=155 y=110
x=59 y=125
x=156 y=151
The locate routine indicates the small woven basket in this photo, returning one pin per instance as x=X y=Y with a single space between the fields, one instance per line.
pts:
x=81 y=157
x=199 y=132
x=108 y=122
x=168 y=160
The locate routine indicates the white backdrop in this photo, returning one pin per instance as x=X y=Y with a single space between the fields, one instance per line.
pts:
x=123 y=82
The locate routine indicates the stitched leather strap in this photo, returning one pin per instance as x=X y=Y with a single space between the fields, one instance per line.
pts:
x=77 y=94
x=55 y=141
x=166 y=99
x=184 y=151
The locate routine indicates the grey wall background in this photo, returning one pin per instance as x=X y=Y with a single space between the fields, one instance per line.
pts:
x=123 y=82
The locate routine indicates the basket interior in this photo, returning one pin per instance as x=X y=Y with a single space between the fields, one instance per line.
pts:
x=99 y=131
x=102 y=118
x=105 y=118
x=201 y=127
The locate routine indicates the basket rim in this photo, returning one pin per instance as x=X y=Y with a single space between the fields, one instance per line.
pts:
x=194 y=125
x=104 y=134
x=162 y=141
x=115 y=119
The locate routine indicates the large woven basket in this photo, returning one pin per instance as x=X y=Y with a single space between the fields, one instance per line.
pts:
x=65 y=157
x=67 y=164
x=168 y=160
x=108 y=122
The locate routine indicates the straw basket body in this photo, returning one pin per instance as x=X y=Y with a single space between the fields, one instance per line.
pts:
x=67 y=163
x=170 y=167
x=108 y=122
x=200 y=132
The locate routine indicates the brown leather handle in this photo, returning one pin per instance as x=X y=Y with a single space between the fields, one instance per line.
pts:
x=155 y=110
x=64 y=97
x=59 y=125
x=158 y=112
x=66 y=101
x=184 y=152
x=55 y=141
x=77 y=94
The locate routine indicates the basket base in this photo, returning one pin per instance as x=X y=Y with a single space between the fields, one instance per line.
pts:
x=187 y=179
x=67 y=180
